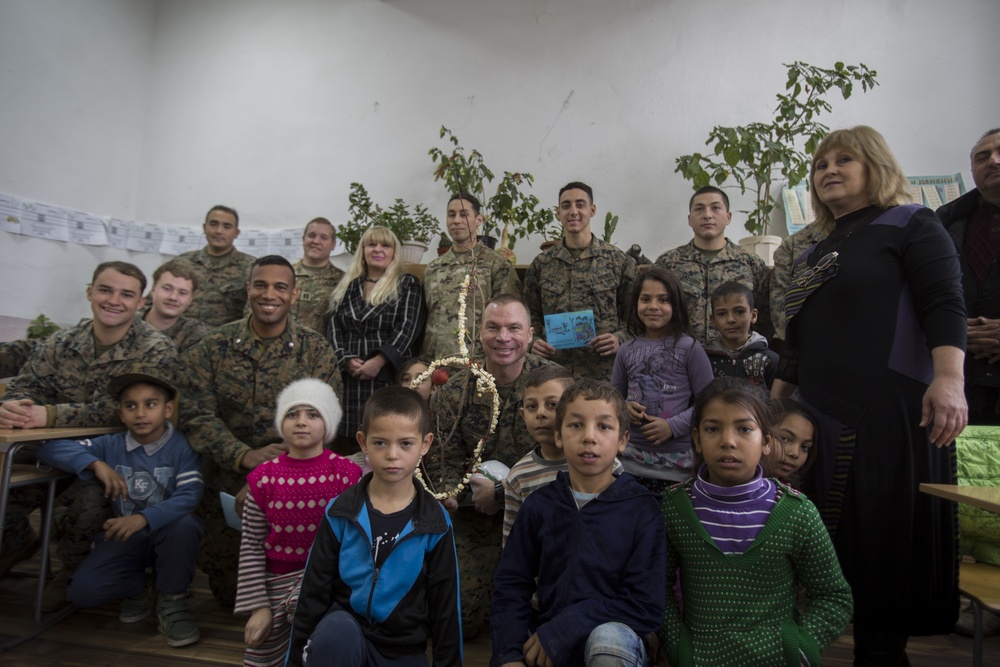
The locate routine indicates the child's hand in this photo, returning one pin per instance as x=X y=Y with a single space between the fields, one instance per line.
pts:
x=657 y=430
x=636 y=411
x=534 y=653
x=258 y=627
x=241 y=499
x=543 y=349
x=114 y=484
x=605 y=345
x=450 y=506
x=123 y=527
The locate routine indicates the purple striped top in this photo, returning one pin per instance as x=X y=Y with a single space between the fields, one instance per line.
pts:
x=733 y=515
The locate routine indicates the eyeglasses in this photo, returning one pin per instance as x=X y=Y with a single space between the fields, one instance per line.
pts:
x=822 y=265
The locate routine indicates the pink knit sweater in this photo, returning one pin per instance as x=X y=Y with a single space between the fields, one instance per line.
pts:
x=294 y=493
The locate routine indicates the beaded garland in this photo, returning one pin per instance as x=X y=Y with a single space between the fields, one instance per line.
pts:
x=484 y=382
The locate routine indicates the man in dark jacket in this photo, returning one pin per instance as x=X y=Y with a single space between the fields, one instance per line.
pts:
x=973 y=220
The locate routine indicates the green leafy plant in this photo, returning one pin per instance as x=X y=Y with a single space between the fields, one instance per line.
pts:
x=510 y=212
x=753 y=155
x=41 y=327
x=416 y=225
x=610 y=225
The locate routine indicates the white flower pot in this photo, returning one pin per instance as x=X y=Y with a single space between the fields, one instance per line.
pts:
x=412 y=252
x=762 y=246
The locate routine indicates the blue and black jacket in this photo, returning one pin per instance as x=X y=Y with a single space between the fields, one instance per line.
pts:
x=412 y=597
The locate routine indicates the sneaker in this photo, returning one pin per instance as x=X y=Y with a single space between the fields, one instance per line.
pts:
x=11 y=557
x=54 y=597
x=967 y=620
x=137 y=607
x=176 y=622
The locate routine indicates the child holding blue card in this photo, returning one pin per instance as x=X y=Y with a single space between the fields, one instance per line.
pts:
x=659 y=372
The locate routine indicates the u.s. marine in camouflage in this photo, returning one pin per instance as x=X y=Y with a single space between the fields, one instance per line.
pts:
x=459 y=418
x=231 y=390
x=13 y=356
x=315 y=285
x=781 y=276
x=185 y=332
x=600 y=279
x=221 y=270
x=443 y=277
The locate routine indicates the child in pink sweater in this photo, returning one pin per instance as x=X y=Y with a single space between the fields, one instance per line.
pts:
x=285 y=504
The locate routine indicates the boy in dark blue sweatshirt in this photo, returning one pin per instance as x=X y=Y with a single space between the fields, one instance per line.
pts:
x=152 y=478
x=593 y=546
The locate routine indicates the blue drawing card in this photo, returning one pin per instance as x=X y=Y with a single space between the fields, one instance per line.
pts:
x=566 y=330
x=229 y=510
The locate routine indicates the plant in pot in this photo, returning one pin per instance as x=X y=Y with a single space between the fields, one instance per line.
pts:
x=414 y=229
x=754 y=155
x=510 y=212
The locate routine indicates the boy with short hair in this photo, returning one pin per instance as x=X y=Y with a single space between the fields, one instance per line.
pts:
x=594 y=543
x=153 y=479
x=739 y=352
x=385 y=530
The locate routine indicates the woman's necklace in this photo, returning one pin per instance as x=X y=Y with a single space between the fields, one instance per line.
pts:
x=373 y=282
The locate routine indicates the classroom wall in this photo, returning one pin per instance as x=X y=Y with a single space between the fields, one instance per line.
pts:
x=155 y=110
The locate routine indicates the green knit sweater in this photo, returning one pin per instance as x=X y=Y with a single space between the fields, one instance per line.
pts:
x=740 y=609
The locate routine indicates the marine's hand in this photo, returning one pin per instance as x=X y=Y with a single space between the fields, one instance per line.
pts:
x=258 y=627
x=543 y=349
x=983 y=338
x=123 y=527
x=255 y=457
x=450 y=506
x=944 y=405
x=241 y=498
x=483 y=496
x=22 y=413
x=605 y=345
x=114 y=484
x=534 y=653
x=656 y=430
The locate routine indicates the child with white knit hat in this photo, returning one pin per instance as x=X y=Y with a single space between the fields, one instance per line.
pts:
x=285 y=504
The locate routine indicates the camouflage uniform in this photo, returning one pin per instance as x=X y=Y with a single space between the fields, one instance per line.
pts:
x=63 y=375
x=13 y=356
x=233 y=384
x=442 y=279
x=221 y=294
x=185 y=333
x=312 y=308
x=601 y=280
x=459 y=424
x=699 y=279
x=784 y=257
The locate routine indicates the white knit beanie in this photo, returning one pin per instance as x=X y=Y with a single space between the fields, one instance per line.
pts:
x=317 y=395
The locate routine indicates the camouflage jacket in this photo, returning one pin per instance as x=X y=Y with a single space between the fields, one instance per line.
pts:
x=234 y=381
x=442 y=278
x=784 y=257
x=312 y=308
x=458 y=426
x=699 y=279
x=600 y=280
x=63 y=374
x=13 y=356
x=222 y=293
x=185 y=333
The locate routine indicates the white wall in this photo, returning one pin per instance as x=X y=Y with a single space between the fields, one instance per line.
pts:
x=275 y=107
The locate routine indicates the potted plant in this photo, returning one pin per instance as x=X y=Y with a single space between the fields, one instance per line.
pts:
x=754 y=155
x=414 y=229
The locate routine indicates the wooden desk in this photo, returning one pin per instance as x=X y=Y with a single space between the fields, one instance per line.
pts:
x=983 y=497
x=17 y=475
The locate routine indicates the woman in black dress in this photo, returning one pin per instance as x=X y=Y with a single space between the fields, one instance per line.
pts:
x=875 y=344
x=378 y=312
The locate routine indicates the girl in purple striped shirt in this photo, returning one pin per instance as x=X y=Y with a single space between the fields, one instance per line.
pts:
x=742 y=545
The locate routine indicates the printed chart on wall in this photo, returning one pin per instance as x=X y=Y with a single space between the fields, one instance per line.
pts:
x=25 y=217
x=931 y=191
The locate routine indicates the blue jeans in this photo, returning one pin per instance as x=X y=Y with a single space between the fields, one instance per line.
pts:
x=615 y=645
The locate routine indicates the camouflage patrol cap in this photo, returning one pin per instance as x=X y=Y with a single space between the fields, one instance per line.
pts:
x=119 y=383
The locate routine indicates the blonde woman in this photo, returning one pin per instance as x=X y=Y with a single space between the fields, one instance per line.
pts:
x=874 y=341
x=378 y=313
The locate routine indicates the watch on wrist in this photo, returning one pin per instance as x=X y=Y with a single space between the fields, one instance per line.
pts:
x=498 y=491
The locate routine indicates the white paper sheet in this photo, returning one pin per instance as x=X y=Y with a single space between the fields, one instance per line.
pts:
x=117 y=232
x=86 y=229
x=144 y=237
x=10 y=214
x=178 y=240
x=43 y=221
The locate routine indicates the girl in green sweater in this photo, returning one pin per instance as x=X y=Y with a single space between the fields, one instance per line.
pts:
x=742 y=545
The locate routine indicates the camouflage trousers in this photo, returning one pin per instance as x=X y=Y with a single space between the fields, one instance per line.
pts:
x=219 y=557
x=79 y=514
x=478 y=542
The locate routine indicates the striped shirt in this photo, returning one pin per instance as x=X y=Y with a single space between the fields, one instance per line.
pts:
x=733 y=515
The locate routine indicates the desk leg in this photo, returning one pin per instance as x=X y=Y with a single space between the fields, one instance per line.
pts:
x=8 y=466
